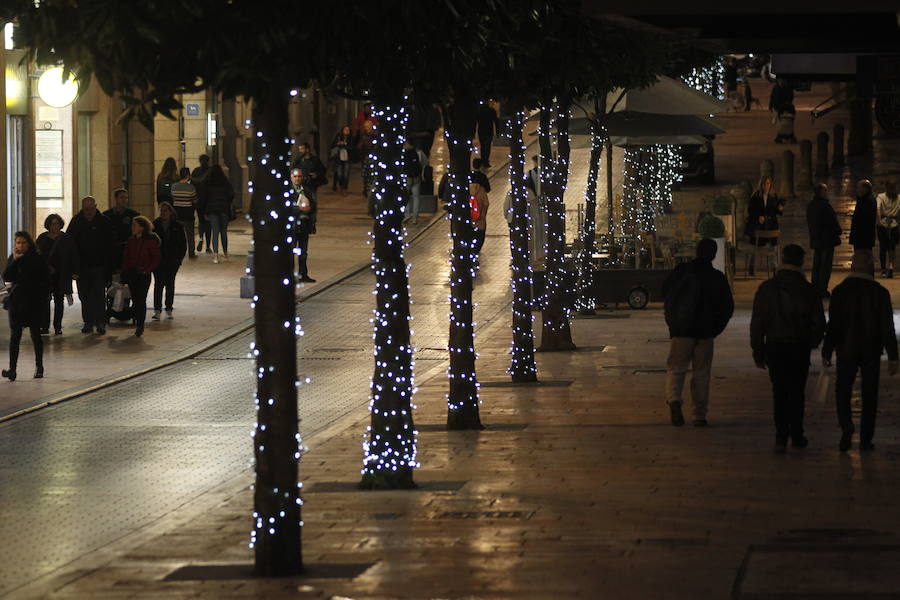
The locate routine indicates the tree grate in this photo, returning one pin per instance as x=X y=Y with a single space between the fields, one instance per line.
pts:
x=245 y=571
x=488 y=514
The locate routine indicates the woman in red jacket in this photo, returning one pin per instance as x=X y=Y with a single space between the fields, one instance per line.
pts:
x=140 y=259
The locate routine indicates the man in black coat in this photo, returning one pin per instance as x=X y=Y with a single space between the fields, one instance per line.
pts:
x=824 y=234
x=120 y=217
x=864 y=221
x=305 y=212
x=698 y=306
x=860 y=328
x=488 y=124
x=314 y=174
x=93 y=237
x=787 y=323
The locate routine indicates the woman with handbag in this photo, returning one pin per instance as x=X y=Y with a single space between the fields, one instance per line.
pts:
x=141 y=258
x=59 y=252
x=28 y=273
x=340 y=154
x=479 y=186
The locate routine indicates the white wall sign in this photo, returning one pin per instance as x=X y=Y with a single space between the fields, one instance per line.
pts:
x=48 y=163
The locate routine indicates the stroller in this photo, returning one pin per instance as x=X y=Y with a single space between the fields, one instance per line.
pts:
x=118 y=302
x=784 y=125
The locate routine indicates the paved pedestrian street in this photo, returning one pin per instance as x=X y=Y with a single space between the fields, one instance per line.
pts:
x=579 y=487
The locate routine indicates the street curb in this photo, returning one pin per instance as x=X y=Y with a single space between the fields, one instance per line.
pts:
x=194 y=350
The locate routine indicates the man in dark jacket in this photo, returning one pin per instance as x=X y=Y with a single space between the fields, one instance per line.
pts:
x=824 y=235
x=313 y=170
x=120 y=216
x=305 y=212
x=864 y=221
x=860 y=328
x=787 y=322
x=698 y=306
x=93 y=237
x=488 y=124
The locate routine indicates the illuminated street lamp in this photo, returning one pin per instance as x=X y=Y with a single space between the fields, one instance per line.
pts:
x=55 y=90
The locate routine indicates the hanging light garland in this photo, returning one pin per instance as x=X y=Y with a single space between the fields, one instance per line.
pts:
x=709 y=80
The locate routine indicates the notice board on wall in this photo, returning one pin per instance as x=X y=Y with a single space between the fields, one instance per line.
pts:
x=48 y=163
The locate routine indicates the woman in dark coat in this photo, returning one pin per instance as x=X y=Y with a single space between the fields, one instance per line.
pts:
x=219 y=196
x=762 y=213
x=141 y=258
x=173 y=246
x=28 y=273
x=59 y=252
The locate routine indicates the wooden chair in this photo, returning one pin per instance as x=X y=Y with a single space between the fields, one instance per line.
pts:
x=771 y=254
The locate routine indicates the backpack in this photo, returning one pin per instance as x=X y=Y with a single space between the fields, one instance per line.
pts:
x=681 y=302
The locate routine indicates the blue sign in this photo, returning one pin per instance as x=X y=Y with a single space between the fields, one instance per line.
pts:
x=193 y=110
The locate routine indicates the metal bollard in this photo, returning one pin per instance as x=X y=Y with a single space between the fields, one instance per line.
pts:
x=822 y=154
x=804 y=169
x=247 y=280
x=787 y=175
x=837 y=153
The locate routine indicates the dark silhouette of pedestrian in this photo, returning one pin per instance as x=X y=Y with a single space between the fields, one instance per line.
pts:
x=164 y=180
x=488 y=125
x=786 y=324
x=218 y=210
x=698 y=306
x=888 y=203
x=860 y=328
x=824 y=235
x=340 y=156
x=120 y=216
x=58 y=250
x=314 y=171
x=865 y=218
x=28 y=273
x=173 y=246
x=184 y=201
x=198 y=180
x=93 y=237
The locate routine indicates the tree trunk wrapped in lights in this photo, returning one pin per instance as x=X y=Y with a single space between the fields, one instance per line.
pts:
x=586 y=298
x=556 y=334
x=390 y=450
x=522 y=368
x=462 y=400
x=276 y=499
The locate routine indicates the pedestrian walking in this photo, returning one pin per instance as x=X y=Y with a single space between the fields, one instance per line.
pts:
x=824 y=235
x=218 y=210
x=414 y=161
x=340 y=156
x=184 y=201
x=314 y=172
x=698 y=306
x=488 y=125
x=860 y=328
x=365 y=138
x=120 y=216
x=198 y=180
x=888 y=205
x=863 y=223
x=142 y=256
x=305 y=214
x=781 y=103
x=28 y=273
x=786 y=324
x=93 y=237
x=164 y=180
x=533 y=176
x=479 y=188
x=173 y=246
x=763 y=211
x=59 y=252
